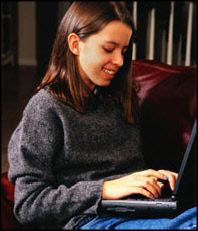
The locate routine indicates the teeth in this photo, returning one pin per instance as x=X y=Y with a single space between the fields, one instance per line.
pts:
x=109 y=72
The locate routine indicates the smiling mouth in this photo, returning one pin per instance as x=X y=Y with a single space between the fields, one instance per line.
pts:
x=110 y=72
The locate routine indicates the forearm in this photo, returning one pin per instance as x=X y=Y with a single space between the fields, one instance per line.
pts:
x=41 y=202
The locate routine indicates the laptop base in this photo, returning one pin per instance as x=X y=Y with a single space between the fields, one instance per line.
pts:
x=141 y=209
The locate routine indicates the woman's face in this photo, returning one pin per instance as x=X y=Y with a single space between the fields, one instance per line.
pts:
x=101 y=55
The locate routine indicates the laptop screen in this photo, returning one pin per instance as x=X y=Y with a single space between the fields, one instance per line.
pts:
x=186 y=183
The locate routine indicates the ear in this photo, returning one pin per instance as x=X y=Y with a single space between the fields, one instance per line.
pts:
x=73 y=41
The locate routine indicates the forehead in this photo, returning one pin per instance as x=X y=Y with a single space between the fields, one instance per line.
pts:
x=114 y=31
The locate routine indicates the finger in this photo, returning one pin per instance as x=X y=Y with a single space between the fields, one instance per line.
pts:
x=167 y=172
x=171 y=176
x=161 y=185
x=172 y=181
x=154 y=188
x=151 y=185
x=153 y=173
x=148 y=182
x=142 y=191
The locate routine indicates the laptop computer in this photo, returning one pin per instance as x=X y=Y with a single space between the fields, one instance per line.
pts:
x=171 y=203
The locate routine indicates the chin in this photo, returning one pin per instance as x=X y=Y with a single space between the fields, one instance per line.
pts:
x=104 y=84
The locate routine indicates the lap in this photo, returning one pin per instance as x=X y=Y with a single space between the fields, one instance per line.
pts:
x=186 y=220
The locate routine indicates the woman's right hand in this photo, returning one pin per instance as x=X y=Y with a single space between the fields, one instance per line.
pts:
x=146 y=183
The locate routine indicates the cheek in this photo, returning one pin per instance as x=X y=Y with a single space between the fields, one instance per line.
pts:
x=91 y=61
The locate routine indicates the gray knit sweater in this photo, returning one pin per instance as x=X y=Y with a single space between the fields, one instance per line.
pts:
x=59 y=158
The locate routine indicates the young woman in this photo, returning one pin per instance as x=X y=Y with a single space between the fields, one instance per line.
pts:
x=78 y=141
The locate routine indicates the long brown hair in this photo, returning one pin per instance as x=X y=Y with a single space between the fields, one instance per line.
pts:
x=62 y=77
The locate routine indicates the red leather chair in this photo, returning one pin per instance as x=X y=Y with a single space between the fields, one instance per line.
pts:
x=168 y=106
x=167 y=102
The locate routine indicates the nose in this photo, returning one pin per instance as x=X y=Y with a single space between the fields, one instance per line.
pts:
x=118 y=59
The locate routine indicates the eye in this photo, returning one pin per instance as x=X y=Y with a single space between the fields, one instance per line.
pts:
x=108 y=50
x=124 y=51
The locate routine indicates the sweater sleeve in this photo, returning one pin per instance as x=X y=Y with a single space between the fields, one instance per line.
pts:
x=32 y=149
